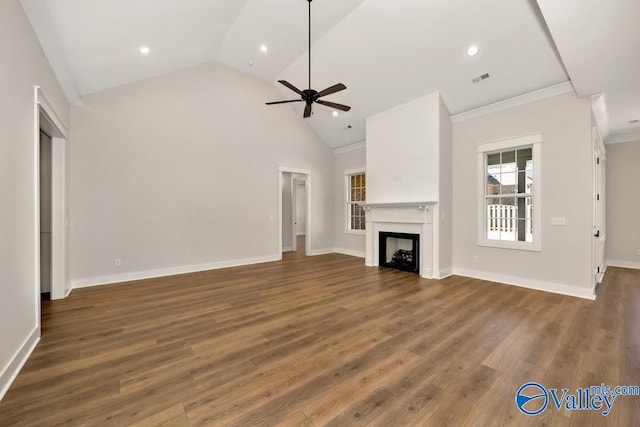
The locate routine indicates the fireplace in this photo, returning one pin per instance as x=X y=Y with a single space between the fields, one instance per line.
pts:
x=403 y=218
x=400 y=251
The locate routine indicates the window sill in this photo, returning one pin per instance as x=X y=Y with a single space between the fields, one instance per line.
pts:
x=355 y=232
x=521 y=246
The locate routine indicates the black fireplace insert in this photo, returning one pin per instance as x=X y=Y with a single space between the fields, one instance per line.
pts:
x=400 y=251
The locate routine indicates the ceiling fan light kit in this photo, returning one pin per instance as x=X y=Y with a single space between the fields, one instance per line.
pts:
x=309 y=96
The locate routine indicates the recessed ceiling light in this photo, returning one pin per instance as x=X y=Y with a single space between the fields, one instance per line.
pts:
x=472 y=50
x=144 y=50
x=264 y=48
x=335 y=113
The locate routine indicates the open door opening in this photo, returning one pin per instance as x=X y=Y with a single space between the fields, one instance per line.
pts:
x=46 y=189
x=288 y=213
x=50 y=139
x=300 y=212
x=294 y=212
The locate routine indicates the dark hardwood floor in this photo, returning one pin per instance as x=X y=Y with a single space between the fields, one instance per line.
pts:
x=324 y=341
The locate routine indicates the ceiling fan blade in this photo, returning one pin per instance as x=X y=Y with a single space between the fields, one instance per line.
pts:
x=307 y=111
x=283 y=102
x=332 y=89
x=334 y=105
x=290 y=86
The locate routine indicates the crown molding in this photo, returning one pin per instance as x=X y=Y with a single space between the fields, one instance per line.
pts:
x=624 y=138
x=536 y=95
x=350 y=147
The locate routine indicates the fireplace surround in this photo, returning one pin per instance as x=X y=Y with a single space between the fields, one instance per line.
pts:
x=417 y=218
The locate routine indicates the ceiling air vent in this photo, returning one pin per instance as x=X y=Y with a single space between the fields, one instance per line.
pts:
x=485 y=76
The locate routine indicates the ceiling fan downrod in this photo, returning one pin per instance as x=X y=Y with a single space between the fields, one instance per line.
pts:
x=309 y=43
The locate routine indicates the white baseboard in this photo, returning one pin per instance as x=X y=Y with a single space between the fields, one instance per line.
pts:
x=301 y=233
x=287 y=249
x=427 y=273
x=11 y=370
x=315 y=252
x=524 y=282
x=445 y=272
x=350 y=252
x=623 y=264
x=149 y=274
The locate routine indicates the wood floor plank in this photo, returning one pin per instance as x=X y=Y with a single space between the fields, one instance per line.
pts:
x=318 y=341
x=173 y=416
x=338 y=399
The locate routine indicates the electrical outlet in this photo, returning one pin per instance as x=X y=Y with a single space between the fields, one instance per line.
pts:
x=117 y=262
x=475 y=259
x=638 y=252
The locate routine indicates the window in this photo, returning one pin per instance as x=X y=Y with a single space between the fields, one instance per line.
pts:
x=509 y=202
x=356 y=193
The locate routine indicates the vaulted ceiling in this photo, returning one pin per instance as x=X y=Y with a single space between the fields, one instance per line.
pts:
x=385 y=52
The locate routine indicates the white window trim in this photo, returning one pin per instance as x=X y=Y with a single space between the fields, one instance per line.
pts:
x=534 y=140
x=347 y=174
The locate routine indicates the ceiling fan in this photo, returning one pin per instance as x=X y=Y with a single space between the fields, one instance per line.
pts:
x=309 y=96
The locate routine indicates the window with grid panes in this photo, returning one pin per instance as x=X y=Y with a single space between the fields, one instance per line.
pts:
x=356 y=192
x=509 y=200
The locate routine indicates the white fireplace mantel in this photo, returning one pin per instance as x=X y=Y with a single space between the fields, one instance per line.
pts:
x=403 y=217
x=419 y=205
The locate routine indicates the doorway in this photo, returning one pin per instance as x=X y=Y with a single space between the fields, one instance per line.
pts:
x=299 y=205
x=51 y=257
x=46 y=190
x=294 y=212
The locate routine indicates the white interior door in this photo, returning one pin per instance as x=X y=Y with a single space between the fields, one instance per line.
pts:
x=286 y=212
x=599 y=209
x=301 y=204
x=294 y=213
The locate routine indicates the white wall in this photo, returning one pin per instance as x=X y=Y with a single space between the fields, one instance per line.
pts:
x=402 y=152
x=623 y=204
x=564 y=264
x=181 y=170
x=348 y=243
x=23 y=66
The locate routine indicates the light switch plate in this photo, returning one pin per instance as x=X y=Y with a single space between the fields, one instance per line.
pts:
x=558 y=220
